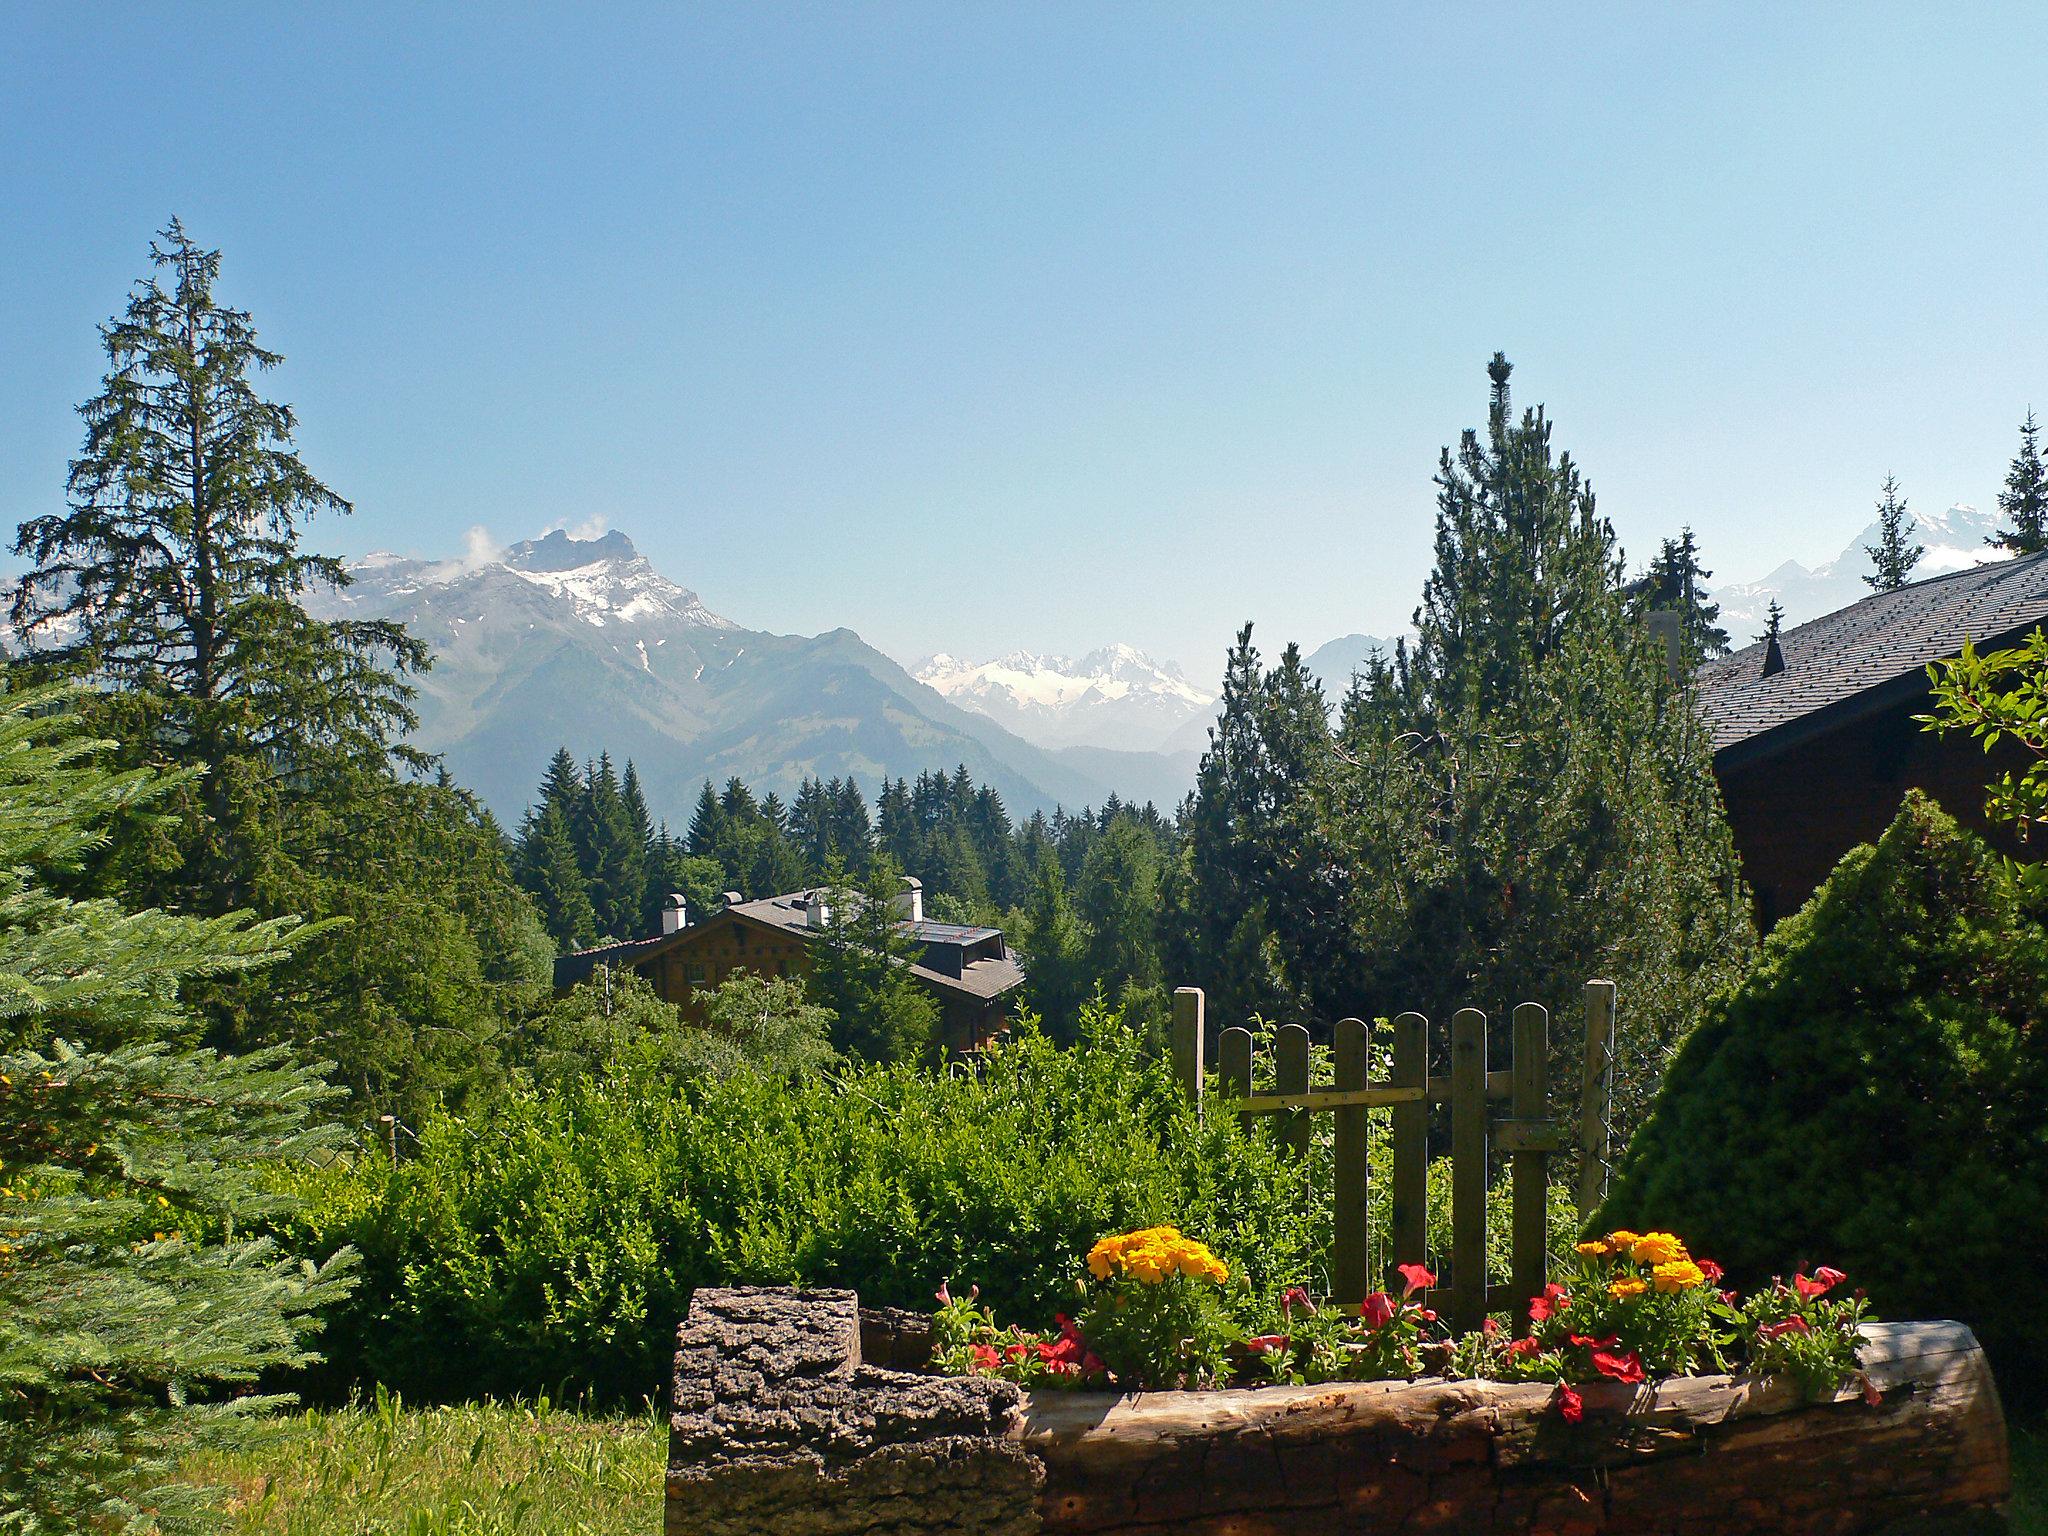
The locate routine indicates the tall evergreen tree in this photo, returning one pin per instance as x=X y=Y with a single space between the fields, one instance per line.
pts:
x=1892 y=558
x=2024 y=501
x=860 y=970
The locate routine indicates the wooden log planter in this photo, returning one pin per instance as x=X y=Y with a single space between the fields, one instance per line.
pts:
x=780 y=1425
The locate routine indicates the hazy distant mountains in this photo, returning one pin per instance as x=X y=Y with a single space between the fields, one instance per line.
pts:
x=1954 y=540
x=1117 y=697
x=563 y=641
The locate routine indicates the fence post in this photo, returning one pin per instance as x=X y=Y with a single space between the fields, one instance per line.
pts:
x=1290 y=1075
x=1234 y=1067
x=1468 y=1170
x=1348 y=1264
x=1187 y=1044
x=1596 y=1096
x=1530 y=1170
x=1411 y=1142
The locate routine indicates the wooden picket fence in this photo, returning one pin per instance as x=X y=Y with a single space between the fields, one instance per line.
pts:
x=1524 y=1133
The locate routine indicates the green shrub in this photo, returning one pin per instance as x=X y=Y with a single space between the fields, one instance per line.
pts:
x=1875 y=1096
x=556 y=1240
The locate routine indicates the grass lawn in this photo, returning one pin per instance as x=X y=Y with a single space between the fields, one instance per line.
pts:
x=382 y=1469
x=487 y=1469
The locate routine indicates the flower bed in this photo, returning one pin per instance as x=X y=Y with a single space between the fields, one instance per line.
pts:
x=780 y=1424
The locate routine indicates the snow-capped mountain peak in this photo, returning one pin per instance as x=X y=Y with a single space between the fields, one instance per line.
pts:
x=1116 y=697
x=600 y=581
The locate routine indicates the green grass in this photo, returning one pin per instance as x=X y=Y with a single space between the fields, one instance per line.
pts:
x=383 y=1469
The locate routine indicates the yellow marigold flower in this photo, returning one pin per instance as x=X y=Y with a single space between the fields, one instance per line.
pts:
x=1625 y=1287
x=1655 y=1248
x=1101 y=1264
x=1621 y=1242
x=1678 y=1275
x=1594 y=1249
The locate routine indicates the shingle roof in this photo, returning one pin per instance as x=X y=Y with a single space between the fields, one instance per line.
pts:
x=1865 y=655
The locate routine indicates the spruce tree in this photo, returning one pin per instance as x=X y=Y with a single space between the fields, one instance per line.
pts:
x=1774 y=621
x=1676 y=582
x=1054 y=944
x=2024 y=501
x=1891 y=557
x=136 y=1315
x=860 y=970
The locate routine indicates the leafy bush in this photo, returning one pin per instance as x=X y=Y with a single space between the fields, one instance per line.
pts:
x=558 y=1239
x=1875 y=1094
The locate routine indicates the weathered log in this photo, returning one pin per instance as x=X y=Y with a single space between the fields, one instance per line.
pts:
x=777 y=1426
x=780 y=1427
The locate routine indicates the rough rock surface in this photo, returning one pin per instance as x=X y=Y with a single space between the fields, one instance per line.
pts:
x=778 y=1426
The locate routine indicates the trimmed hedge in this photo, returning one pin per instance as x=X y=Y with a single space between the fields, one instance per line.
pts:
x=1875 y=1096
x=555 y=1241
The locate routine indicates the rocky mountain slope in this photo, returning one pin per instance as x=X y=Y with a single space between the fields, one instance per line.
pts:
x=563 y=641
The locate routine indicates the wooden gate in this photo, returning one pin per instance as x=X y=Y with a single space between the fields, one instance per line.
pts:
x=1523 y=1133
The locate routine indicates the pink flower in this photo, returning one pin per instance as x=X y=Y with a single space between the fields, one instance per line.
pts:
x=1824 y=1280
x=1490 y=1329
x=1553 y=1301
x=1569 y=1403
x=1414 y=1277
x=1870 y=1393
x=945 y=1296
x=1293 y=1297
x=1267 y=1343
x=1378 y=1309
x=1779 y=1330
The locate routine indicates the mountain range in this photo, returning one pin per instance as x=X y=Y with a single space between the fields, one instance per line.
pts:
x=582 y=643
x=1954 y=540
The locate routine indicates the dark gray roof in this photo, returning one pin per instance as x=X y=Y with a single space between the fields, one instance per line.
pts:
x=1866 y=656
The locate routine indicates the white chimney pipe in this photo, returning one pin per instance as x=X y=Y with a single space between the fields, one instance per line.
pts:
x=675 y=914
x=817 y=910
x=909 y=902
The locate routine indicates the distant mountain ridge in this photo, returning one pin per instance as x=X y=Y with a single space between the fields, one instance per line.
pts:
x=1955 y=540
x=1116 y=698
x=581 y=642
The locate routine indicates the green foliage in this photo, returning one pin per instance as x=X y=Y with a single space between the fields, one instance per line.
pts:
x=1892 y=559
x=2002 y=696
x=763 y=1022
x=1676 y=582
x=131 y=1303
x=558 y=1238
x=1873 y=1094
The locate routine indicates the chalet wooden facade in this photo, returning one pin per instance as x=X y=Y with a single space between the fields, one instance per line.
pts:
x=969 y=971
x=1813 y=736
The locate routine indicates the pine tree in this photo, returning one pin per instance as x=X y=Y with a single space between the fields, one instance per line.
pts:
x=175 y=576
x=2024 y=501
x=707 y=826
x=609 y=850
x=860 y=970
x=550 y=873
x=1774 y=621
x=1054 y=943
x=134 y=1313
x=1891 y=557
x=1676 y=582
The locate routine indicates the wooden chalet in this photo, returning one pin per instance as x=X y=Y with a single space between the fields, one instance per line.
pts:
x=969 y=971
x=1813 y=734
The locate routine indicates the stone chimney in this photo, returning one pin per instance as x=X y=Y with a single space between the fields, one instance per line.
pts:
x=909 y=902
x=675 y=913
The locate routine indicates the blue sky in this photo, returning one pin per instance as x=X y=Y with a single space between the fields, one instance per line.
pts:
x=975 y=327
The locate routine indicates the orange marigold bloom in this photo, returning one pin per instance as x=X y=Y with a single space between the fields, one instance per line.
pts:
x=1624 y=1288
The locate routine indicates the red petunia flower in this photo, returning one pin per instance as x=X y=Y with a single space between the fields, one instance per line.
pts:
x=985 y=1357
x=944 y=1295
x=1870 y=1393
x=1267 y=1343
x=1569 y=1403
x=1490 y=1329
x=1295 y=1296
x=1524 y=1347
x=1709 y=1268
x=1414 y=1277
x=1824 y=1280
x=1779 y=1330
x=1378 y=1309
x=1586 y=1341
x=1626 y=1368
x=1553 y=1301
